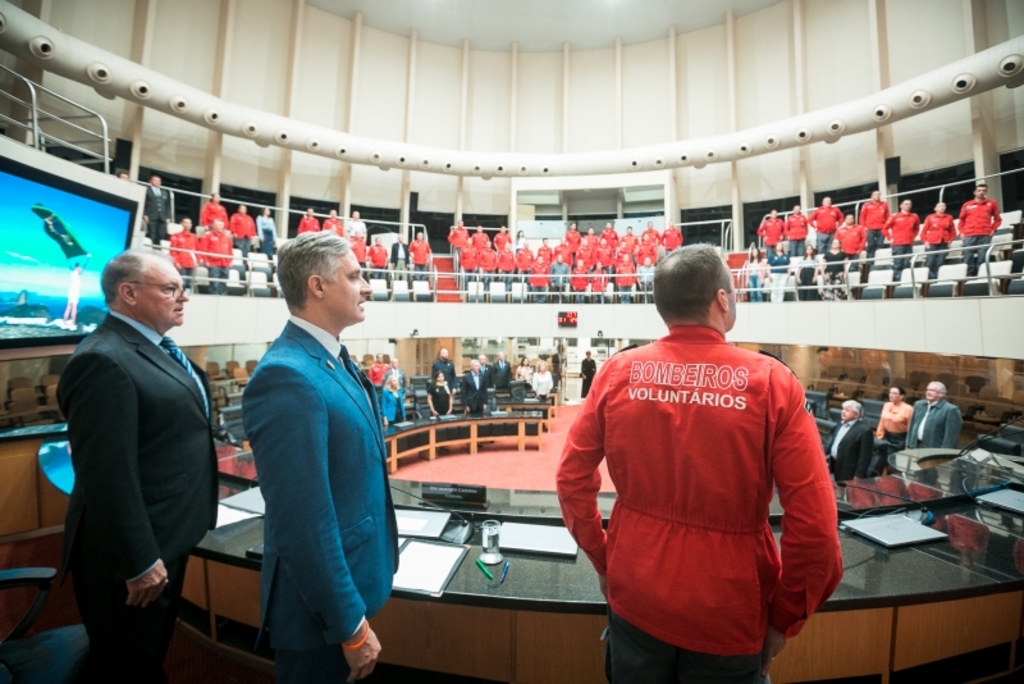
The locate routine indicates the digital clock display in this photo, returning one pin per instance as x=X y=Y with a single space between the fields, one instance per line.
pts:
x=567 y=319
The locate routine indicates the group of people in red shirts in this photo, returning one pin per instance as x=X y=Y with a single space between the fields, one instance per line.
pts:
x=979 y=219
x=579 y=260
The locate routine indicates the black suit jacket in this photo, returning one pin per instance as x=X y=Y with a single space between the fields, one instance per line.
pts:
x=854 y=453
x=501 y=377
x=394 y=255
x=142 y=450
x=472 y=398
x=157 y=208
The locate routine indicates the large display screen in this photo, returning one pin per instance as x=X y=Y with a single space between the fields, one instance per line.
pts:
x=56 y=235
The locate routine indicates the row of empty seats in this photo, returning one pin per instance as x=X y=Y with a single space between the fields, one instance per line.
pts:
x=28 y=403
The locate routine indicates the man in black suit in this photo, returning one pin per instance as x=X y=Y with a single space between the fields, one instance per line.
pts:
x=400 y=256
x=850 y=444
x=501 y=373
x=156 y=213
x=145 y=491
x=474 y=389
x=443 y=365
x=588 y=369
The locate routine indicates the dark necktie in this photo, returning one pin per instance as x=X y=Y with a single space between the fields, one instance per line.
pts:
x=174 y=351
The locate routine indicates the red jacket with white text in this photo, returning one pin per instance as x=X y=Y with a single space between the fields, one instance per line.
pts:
x=979 y=218
x=902 y=229
x=938 y=229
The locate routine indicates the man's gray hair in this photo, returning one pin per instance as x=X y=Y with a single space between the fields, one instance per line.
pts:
x=941 y=387
x=128 y=266
x=855 y=405
x=687 y=281
x=307 y=255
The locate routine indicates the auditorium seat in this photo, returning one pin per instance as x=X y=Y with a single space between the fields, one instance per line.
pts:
x=236 y=262
x=818 y=401
x=475 y=292
x=236 y=288
x=1015 y=286
x=948 y=281
x=201 y=280
x=258 y=284
x=878 y=284
x=883 y=259
x=981 y=287
x=379 y=289
x=259 y=263
x=400 y=290
x=496 y=292
x=421 y=291
x=250 y=365
x=1017 y=259
x=852 y=283
x=1000 y=244
x=518 y=292
x=911 y=282
x=1011 y=218
x=872 y=411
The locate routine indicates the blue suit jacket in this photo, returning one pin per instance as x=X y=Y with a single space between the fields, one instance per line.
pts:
x=330 y=536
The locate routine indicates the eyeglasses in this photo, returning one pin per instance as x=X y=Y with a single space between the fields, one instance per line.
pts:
x=167 y=290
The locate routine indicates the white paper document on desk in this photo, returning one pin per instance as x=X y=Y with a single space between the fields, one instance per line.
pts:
x=227 y=515
x=426 y=567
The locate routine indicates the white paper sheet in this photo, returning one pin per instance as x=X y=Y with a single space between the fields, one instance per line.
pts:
x=426 y=567
x=410 y=524
x=227 y=515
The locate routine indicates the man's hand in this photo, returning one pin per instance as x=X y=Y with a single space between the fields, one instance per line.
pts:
x=362 y=661
x=774 y=642
x=146 y=589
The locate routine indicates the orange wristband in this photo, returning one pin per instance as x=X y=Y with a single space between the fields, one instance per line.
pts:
x=362 y=640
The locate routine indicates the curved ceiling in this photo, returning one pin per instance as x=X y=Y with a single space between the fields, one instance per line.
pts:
x=539 y=25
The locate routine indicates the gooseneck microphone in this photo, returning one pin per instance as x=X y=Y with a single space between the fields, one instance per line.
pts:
x=466 y=527
x=981 y=439
x=927 y=517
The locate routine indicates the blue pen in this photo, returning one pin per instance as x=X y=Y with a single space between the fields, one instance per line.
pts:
x=504 y=571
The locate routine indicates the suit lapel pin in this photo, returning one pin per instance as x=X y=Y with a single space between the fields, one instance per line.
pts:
x=330 y=365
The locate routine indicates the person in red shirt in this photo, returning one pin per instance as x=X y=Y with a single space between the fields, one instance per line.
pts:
x=458 y=238
x=610 y=236
x=309 y=223
x=651 y=234
x=873 y=215
x=562 y=249
x=524 y=260
x=419 y=251
x=648 y=249
x=573 y=239
x=979 y=219
x=579 y=280
x=358 y=246
x=587 y=253
x=599 y=285
x=487 y=259
x=479 y=239
x=826 y=219
x=936 y=234
x=603 y=255
x=629 y=243
x=469 y=264
x=589 y=240
x=545 y=251
x=377 y=259
x=852 y=237
x=705 y=512
x=671 y=239
x=502 y=238
x=796 y=232
x=902 y=229
x=771 y=229
x=377 y=371
x=214 y=242
x=625 y=279
x=243 y=230
x=507 y=264
x=184 y=244
x=213 y=210
x=540 y=276
x=332 y=222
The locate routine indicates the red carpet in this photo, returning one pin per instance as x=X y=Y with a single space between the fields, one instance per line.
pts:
x=499 y=464
x=446 y=283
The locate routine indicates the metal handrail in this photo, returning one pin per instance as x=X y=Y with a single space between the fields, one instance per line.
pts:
x=30 y=105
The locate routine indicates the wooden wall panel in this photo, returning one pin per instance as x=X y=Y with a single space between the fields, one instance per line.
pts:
x=53 y=503
x=836 y=645
x=462 y=640
x=934 y=631
x=553 y=648
x=194 y=590
x=234 y=593
x=19 y=489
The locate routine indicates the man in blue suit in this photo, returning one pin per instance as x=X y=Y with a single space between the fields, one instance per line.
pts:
x=330 y=535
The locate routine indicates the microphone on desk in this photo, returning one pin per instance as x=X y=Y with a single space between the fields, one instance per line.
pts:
x=465 y=528
x=926 y=516
x=978 y=441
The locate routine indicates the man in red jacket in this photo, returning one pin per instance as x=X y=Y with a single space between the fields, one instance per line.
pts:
x=579 y=280
x=540 y=276
x=213 y=210
x=358 y=248
x=243 y=230
x=545 y=251
x=936 y=234
x=852 y=237
x=902 y=229
x=652 y=235
x=507 y=265
x=309 y=223
x=419 y=250
x=469 y=263
x=479 y=239
x=826 y=219
x=524 y=259
x=184 y=244
x=979 y=219
x=771 y=230
x=487 y=259
x=603 y=256
x=332 y=222
x=377 y=259
x=217 y=252
x=648 y=249
x=796 y=232
x=873 y=215
x=625 y=279
x=629 y=243
x=458 y=238
x=611 y=236
x=502 y=238
x=689 y=564
x=573 y=239
x=671 y=239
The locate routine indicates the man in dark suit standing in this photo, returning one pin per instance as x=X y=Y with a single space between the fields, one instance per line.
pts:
x=851 y=444
x=400 y=257
x=588 y=369
x=156 y=212
x=330 y=536
x=935 y=423
x=501 y=373
x=474 y=389
x=145 y=489
x=444 y=365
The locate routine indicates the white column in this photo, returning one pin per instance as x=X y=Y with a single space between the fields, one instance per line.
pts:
x=350 y=115
x=737 y=205
x=141 y=51
x=878 y=34
x=410 y=96
x=463 y=107
x=618 y=95
x=565 y=98
x=800 y=80
x=986 y=156
x=222 y=65
x=291 y=93
x=671 y=196
x=513 y=98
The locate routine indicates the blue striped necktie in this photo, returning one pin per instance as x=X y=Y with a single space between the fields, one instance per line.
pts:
x=174 y=351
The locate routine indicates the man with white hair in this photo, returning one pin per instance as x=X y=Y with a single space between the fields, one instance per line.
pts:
x=850 y=444
x=935 y=423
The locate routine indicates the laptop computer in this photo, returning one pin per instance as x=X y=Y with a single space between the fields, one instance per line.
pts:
x=893 y=530
x=546 y=539
x=1007 y=499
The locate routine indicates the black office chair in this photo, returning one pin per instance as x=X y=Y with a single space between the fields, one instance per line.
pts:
x=54 y=656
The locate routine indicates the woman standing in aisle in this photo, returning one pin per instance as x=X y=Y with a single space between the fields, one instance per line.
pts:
x=779 y=264
x=542 y=381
